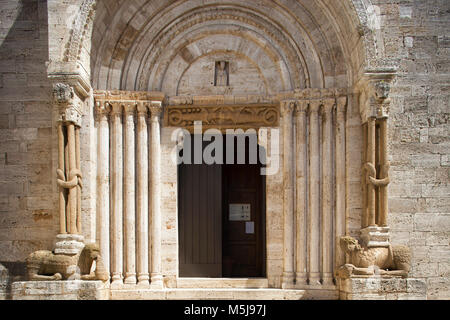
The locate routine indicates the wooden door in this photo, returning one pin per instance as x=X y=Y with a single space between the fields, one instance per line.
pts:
x=200 y=220
x=243 y=237
x=210 y=243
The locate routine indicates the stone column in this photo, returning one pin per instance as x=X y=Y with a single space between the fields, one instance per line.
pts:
x=69 y=178
x=61 y=170
x=314 y=194
x=384 y=174
x=129 y=194
x=340 y=221
x=327 y=193
x=116 y=195
x=142 y=195
x=287 y=107
x=370 y=171
x=102 y=110
x=301 y=151
x=155 y=195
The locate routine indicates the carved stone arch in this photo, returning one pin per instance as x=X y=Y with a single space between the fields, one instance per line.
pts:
x=83 y=23
x=82 y=26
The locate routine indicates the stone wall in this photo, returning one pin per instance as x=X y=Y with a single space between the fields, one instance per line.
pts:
x=28 y=206
x=377 y=288
x=60 y=290
x=415 y=35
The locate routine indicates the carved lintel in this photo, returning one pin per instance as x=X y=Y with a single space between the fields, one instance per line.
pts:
x=223 y=117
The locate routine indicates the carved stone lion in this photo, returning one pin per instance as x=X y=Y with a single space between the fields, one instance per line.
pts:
x=392 y=260
x=44 y=265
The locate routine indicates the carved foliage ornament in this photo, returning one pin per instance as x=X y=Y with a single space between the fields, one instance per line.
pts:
x=63 y=93
x=221 y=117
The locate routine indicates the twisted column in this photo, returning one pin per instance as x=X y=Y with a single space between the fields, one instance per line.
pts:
x=314 y=194
x=129 y=195
x=142 y=195
x=155 y=195
x=301 y=152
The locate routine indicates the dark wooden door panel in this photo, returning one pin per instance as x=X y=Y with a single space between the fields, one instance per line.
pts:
x=242 y=249
x=200 y=214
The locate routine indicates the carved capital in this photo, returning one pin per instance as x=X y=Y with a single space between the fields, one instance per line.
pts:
x=63 y=93
x=102 y=110
x=341 y=105
x=129 y=108
x=70 y=114
x=116 y=108
x=287 y=107
x=155 y=108
x=375 y=88
x=314 y=106
x=327 y=107
x=382 y=89
x=301 y=107
x=142 y=109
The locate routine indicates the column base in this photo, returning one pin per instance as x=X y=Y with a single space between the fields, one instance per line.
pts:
x=130 y=278
x=288 y=280
x=375 y=236
x=116 y=281
x=301 y=279
x=156 y=282
x=327 y=279
x=69 y=244
x=314 y=279
x=143 y=281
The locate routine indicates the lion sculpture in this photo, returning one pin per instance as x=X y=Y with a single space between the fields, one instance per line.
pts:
x=44 y=265
x=391 y=260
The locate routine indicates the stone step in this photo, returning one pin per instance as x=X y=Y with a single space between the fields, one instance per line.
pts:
x=207 y=294
x=218 y=283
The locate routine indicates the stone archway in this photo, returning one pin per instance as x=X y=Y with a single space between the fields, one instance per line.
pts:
x=309 y=57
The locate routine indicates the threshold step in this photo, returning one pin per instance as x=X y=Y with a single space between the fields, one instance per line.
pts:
x=207 y=294
x=243 y=283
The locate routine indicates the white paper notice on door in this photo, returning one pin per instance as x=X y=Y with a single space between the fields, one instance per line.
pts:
x=240 y=212
x=250 y=227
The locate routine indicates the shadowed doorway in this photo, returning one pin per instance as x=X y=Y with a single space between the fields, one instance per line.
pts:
x=221 y=214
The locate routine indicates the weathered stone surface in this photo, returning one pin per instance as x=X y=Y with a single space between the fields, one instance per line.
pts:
x=60 y=290
x=117 y=46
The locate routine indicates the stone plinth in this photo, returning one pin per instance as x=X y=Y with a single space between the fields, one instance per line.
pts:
x=382 y=288
x=4 y=279
x=69 y=244
x=375 y=236
x=60 y=290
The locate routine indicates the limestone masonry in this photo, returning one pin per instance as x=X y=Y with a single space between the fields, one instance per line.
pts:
x=347 y=99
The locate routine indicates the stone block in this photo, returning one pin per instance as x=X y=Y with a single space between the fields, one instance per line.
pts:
x=60 y=290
